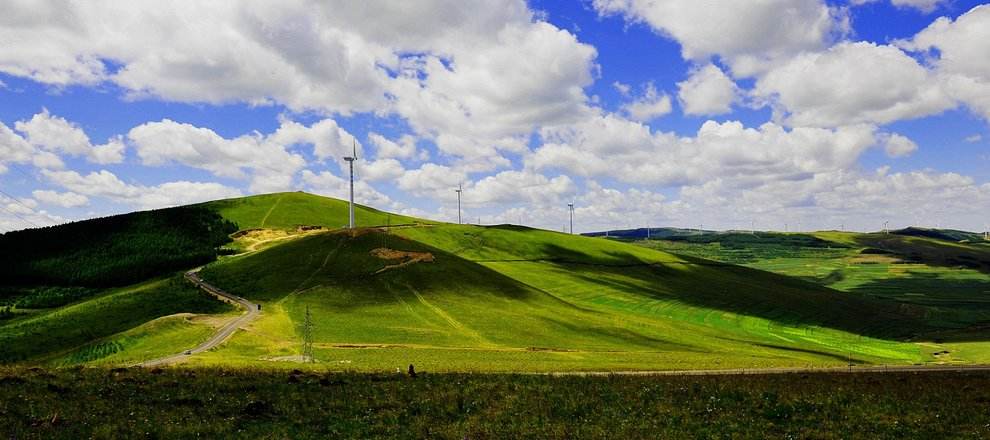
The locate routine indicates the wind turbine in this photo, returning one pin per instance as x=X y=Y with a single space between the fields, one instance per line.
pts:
x=458 y=191
x=885 y=228
x=350 y=161
x=570 y=209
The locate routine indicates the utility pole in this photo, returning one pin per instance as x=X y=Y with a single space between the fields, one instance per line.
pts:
x=350 y=161
x=388 y=227
x=458 y=191
x=307 y=348
x=570 y=209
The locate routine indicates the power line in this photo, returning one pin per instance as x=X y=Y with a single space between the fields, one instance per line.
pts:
x=17 y=201
x=18 y=216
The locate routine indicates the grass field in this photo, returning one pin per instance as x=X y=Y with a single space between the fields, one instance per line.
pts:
x=508 y=299
x=154 y=339
x=947 y=279
x=571 y=303
x=47 y=334
x=246 y=403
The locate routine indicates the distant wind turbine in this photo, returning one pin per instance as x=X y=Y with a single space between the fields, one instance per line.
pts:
x=458 y=191
x=350 y=161
x=570 y=209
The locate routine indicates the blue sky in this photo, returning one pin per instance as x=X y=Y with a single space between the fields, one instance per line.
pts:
x=643 y=113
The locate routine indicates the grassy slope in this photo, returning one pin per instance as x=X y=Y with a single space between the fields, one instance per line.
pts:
x=917 y=272
x=724 y=302
x=450 y=303
x=154 y=339
x=292 y=209
x=57 y=331
x=513 y=298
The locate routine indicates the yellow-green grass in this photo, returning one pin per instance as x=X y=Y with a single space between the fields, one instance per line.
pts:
x=293 y=209
x=155 y=339
x=52 y=333
x=516 y=299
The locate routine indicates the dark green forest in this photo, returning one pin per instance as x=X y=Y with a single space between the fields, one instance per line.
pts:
x=113 y=251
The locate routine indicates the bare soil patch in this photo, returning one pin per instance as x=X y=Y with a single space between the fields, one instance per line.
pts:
x=407 y=258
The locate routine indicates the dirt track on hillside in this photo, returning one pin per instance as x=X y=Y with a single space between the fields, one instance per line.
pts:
x=222 y=334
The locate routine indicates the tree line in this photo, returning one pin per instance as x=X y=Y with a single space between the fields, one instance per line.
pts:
x=113 y=251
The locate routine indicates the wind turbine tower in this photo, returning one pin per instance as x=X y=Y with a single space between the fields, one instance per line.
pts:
x=458 y=191
x=886 y=230
x=350 y=161
x=570 y=209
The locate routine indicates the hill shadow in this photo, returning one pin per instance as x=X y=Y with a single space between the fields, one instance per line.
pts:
x=929 y=252
x=959 y=307
x=785 y=300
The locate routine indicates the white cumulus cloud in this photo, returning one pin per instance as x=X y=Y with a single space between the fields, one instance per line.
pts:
x=105 y=184
x=746 y=35
x=852 y=83
x=63 y=199
x=56 y=134
x=961 y=58
x=707 y=91
x=649 y=106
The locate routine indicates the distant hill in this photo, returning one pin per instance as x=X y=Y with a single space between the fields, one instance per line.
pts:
x=725 y=238
x=941 y=234
x=642 y=233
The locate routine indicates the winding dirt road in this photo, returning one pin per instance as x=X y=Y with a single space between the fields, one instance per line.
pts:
x=222 y=334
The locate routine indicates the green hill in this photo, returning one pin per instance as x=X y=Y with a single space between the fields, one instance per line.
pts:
x=112 y=251
x=510 y=298
x=470 y=298
x=941 y=234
